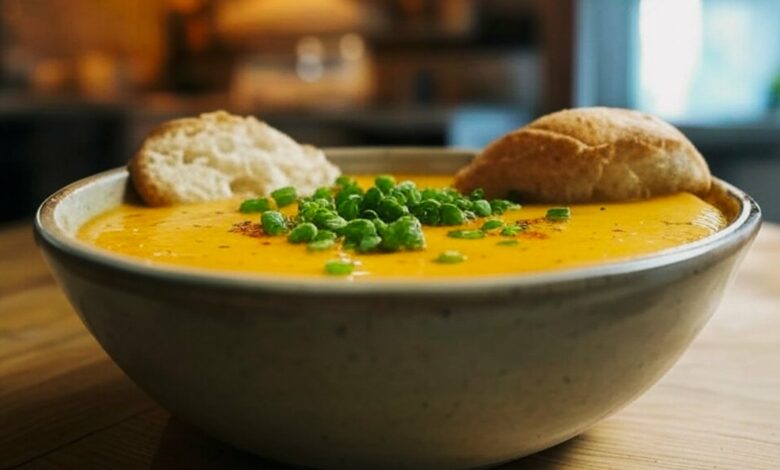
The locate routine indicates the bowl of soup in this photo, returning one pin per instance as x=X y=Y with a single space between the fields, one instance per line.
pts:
x=407 y=362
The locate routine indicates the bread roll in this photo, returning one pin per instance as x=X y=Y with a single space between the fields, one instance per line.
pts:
x=587 y=155
x=218 y=156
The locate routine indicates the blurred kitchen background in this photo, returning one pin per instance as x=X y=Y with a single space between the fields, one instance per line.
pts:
x=82 y=81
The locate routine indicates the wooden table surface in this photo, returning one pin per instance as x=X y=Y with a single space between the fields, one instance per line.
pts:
x=64 y=404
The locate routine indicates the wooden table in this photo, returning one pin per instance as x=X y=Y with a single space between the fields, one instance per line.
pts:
x=63 y=403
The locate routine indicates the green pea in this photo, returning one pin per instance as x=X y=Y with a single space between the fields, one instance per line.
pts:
x=323 y=192
x=371 y=199
x=450 y=257
x=482 y=208
x=466 y=234
x=255 y=205
x=390 y=210
x=325 y=235
x=385 y=183
x=492 y=225
x=273 y=223
x=303 y=233
x=320 y=245
x=451 y=215
x=284 y=196
x=558 y=214
x=428 y=211
x=369 y=243
x=350 y=208
x=358 y=229
x=337 y=267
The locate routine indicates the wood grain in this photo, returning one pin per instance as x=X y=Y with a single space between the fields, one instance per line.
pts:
x=64 y=404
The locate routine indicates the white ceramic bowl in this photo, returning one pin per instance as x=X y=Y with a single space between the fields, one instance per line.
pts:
x=434 y=374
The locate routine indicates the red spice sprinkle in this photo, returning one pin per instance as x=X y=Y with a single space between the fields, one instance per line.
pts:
x=248 y=228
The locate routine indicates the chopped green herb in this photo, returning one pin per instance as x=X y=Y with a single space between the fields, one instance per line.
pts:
x=482 y=208
x=369 y=243
x=334 y=223
x=338 y=267
x=284 y=196
x=450 y=257
x=273 y=223
x=385 y=183
x=477 y=194
x=510 y=230
x=391 y=210
x=325 y=235
x=428 y=211
x=371 y=199
x=404 y=233
x=320 y=245
x=507 y=243
x=358 y=229
x=450 y=214
x=260 y=204
x=492 y=225
x=466 y=234
x=322 y=193
x=350 y=208
x=344 y=181
x=558 y=214
x=303 y=233
x=500 y=206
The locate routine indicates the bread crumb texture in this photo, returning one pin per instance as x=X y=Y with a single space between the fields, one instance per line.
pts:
x=586 y=155
x=218 y=156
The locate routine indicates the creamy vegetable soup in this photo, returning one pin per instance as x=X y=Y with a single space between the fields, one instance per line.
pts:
x=398 y=230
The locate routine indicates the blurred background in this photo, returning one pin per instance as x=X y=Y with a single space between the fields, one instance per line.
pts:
x=82 y=81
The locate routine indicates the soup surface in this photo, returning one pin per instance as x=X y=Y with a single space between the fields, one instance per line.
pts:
x=205 y=236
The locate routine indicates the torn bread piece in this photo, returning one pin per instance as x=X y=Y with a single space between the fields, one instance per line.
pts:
x=218 y=156
x=588 y=155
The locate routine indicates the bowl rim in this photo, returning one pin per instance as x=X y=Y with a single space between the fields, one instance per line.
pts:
x=51 y=236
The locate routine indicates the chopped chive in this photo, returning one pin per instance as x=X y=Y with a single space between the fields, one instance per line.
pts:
x=334 y=223
x=450 y=257
x=303 y=233
x=558 y=214
x=284 y=196
x=344 y=181
x=391 y=210
x=369 y=243
x=321 y=245
x=358 y=229
x=507 y=243
x=260 y=204
x=466 y=234
x=492 y=225
x=350 y=208
x=450 y=214
x=385 y=183
x=337 y=267
x=323 y=192
x=482 y=208
x=324 y=235
x=477 y=194
x=273 y=223
x=510 y=230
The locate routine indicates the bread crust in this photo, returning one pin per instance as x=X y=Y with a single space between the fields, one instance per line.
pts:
x=588 y=155
x=152 y=191
x=220 y=155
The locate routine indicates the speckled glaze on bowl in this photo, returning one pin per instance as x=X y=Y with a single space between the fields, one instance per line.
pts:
x=435 y=375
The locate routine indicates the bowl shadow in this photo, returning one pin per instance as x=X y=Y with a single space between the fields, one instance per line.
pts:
x=184 y=446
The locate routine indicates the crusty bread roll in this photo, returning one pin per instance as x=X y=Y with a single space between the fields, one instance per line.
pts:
x=588 y=154
x=218 y=156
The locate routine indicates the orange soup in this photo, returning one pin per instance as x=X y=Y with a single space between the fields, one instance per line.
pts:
x=217 y=236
